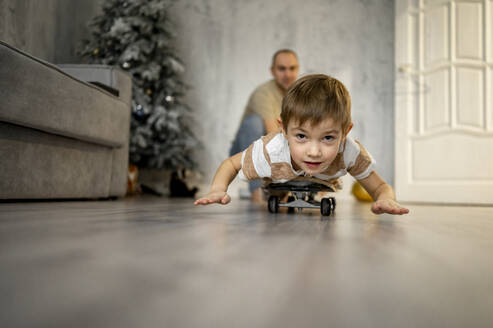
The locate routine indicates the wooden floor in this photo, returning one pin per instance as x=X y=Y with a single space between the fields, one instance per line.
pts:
x=156 y=262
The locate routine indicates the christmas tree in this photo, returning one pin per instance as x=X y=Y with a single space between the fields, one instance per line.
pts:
x=136 y=35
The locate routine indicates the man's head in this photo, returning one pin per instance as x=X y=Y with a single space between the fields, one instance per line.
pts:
x=284 y=68
x=315 y=118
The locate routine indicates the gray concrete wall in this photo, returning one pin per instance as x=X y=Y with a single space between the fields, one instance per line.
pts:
x=30 y=26
x=72 y=18
x=227 y=47
x=48 y=29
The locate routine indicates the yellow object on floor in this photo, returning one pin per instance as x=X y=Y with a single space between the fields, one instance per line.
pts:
x=360 y=193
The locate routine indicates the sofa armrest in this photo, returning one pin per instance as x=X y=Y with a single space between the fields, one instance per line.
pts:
x=106 y=75
x=36 y=94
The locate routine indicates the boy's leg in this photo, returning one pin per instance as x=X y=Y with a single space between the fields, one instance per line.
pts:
x=251 y=129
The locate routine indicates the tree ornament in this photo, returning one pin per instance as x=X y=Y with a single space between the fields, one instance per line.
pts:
x=95 y=51
x=169 y=99
x=126 y=65
x=148 y=92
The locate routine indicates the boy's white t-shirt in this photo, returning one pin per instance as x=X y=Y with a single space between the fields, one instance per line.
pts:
x=269 y=158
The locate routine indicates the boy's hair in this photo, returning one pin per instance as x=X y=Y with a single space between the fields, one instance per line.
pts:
x=314 y=98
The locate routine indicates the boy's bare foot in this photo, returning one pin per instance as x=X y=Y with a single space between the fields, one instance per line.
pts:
x=256 y=196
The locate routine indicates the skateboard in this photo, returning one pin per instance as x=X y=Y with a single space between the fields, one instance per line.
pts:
x=302 y=196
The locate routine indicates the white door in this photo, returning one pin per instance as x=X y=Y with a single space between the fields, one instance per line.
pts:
x=444 y=101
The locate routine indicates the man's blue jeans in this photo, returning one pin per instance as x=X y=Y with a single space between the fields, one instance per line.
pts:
x=251 y=129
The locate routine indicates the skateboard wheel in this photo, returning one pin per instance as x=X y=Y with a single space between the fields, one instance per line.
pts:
x=326 y=206
x=273 y=204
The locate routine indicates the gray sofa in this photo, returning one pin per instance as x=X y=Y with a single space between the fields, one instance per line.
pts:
x=61 y=137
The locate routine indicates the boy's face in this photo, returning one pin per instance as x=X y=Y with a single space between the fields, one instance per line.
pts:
x=313 y=147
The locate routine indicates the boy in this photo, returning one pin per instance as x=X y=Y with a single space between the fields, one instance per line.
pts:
x=312 y=144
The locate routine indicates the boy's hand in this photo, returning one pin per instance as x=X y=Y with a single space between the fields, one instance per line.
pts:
x=389 y=206
x=212 y=197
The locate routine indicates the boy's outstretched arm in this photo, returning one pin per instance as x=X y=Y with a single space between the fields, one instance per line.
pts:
x=383 y=195
x=226 y=172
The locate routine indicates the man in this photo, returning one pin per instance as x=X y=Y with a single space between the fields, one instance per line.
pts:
x=264 y=107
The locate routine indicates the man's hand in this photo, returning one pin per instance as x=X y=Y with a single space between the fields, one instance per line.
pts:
x=212 y=197
x=389 y=206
